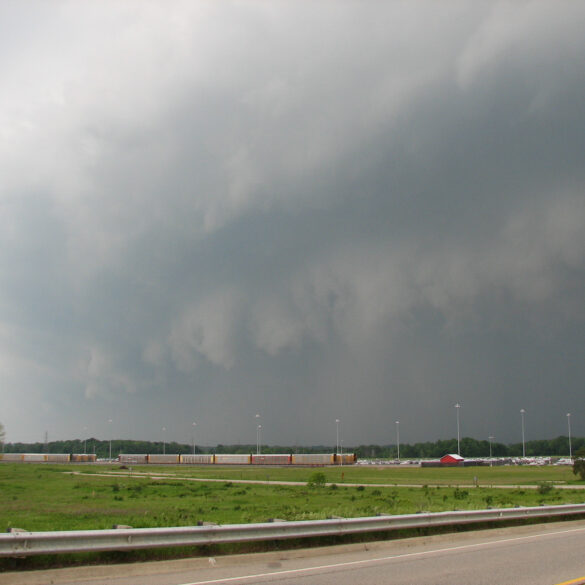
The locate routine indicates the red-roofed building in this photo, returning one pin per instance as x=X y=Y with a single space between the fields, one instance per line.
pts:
x=452 y=460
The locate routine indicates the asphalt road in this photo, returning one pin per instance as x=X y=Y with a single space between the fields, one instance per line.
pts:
x=546 y=554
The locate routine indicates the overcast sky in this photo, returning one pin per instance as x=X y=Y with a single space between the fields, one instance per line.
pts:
x=305 y=210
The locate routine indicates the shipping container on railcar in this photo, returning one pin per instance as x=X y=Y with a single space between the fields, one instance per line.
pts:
x=133 y=458
x=313 y=459
x=197 y=459
x=271 y=459
x=163 y=459
x=234 y=459
x=83 y=458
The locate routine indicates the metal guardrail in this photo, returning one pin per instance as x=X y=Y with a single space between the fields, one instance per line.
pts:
x=19 y=544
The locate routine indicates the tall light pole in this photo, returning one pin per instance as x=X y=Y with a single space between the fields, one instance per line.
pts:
x=337 y=421
x=570 y=446
x=164 y=440
x=84 y=440
x=193 y=436
x=457 y=407
x=257 y=417
x=398 y=440
x=110 y=424
x=491 y=438
x=522 y=413
x=259 y=438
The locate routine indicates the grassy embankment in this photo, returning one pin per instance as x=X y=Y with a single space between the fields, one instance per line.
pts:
x=46 y=497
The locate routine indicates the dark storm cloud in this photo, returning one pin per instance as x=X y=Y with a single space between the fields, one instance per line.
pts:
x=368 y=213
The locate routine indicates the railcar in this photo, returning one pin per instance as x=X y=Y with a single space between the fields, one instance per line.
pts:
x=163 y=459
x=46 y=457
x=313 y=459
x=345 y=459
x=11 y=456
x=235 y=459
x=197 y=459
x=133 y=459
x=271 y=459
x=58 y=457
x=36 y=457
x=83 y=458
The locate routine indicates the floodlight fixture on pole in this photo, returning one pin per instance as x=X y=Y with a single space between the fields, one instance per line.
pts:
x=522 y=413
x=570 y=446
x=110 y=424
x=257 y=417
x=457 y=407
x=398 y=440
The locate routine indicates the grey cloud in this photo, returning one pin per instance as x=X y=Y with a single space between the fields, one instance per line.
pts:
x=335 y=212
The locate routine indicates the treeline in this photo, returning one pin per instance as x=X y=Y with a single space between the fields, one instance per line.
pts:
x=102 y=448
x=430 y=450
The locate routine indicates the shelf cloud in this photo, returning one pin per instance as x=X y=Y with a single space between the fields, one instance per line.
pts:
x=307 y=211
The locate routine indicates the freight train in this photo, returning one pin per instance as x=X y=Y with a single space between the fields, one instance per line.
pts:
x=240 y=459
x=197 y=459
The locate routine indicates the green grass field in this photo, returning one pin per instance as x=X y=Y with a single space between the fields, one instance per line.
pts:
x=49 y=497
x=403 y=475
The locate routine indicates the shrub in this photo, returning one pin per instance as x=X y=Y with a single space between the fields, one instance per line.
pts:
x=317 y=479
x=460 y=494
